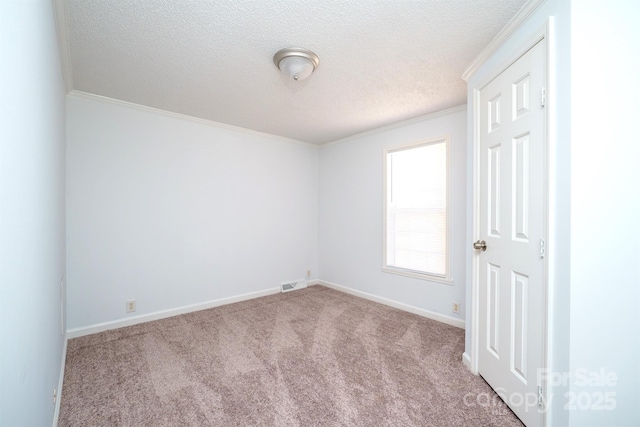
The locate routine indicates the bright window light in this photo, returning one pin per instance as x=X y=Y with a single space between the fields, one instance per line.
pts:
x=416 y=217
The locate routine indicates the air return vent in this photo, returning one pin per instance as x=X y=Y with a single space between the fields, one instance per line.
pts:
x=293 y=285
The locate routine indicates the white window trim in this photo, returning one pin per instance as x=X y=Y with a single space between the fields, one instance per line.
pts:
x=446 y=279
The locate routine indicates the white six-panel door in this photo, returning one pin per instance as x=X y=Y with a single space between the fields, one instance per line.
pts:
x=512 y=223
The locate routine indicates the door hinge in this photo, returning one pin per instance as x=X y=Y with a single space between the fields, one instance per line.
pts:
x=540 y=401
x=542 y=248
x=543 y=97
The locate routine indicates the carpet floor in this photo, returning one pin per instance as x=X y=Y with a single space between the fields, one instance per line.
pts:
x=311 y=357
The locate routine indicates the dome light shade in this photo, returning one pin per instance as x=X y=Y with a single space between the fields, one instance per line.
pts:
x=296 y=63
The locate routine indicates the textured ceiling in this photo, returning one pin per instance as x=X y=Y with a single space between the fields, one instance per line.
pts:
x=380 y=61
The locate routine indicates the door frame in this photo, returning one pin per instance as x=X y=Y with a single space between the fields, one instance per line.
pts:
x=543 y=35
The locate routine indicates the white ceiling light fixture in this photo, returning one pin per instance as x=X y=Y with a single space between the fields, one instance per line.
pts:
x=296 y=63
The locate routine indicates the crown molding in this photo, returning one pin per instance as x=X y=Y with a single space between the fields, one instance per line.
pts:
x=106 y=99
x=113 y=101
x=407 y=122
x=60 y=18
x=504 y=34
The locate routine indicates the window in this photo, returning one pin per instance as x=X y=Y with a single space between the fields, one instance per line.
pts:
x=415 y=214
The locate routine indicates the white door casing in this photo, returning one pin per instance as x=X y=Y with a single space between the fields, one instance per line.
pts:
x=511 y=219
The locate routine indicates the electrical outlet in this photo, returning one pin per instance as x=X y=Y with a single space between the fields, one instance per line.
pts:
x=55 y=395
x=131 y=306
x=456 y=307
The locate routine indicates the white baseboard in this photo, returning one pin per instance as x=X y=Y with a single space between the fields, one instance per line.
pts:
x=466 y=361
x=56 y=412
x=101 y=327
x=405 y=307
x=120 y=323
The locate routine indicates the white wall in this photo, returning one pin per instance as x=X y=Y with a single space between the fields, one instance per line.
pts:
x=32 y=218
x=605 y=206
x=172 y=212
x=350 y=214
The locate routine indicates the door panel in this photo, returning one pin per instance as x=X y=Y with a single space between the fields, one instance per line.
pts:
x=493 y=311
x=512 y=222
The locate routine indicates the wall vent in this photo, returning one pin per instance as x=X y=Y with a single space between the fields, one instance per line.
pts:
x=293 y=285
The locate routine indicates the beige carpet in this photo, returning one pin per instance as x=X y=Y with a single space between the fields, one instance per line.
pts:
x=312 y=357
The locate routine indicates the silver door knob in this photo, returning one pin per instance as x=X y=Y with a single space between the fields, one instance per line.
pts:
x=480 y=244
